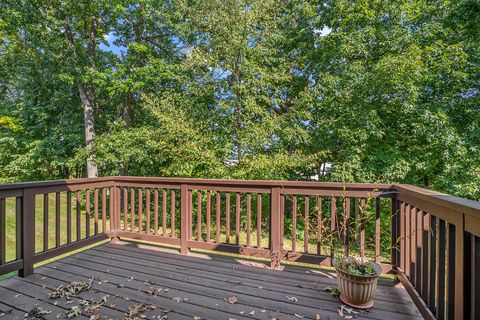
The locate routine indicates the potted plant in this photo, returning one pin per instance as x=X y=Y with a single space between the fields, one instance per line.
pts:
x=357 y=280
x=357 y=276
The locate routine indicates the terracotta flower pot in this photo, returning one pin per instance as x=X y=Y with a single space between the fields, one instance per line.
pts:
x=355 y=290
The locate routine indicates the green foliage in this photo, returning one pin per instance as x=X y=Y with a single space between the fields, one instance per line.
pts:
x=386 y=91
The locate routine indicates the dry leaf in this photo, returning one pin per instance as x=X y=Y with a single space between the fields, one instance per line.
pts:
x=292 y=299
x=72 y=289
x=231 y=299
x=37 y=313
x=73 y=312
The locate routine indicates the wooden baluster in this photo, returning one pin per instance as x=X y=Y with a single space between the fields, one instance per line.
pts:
x=209 y=206
x=104 y=210
x=259 y=220
x=362 y=226
x=140 y=210
x=3 y=231
x=164 y=212
x=394 y=234
x=95 y=210
x=333 y=226
x=155 y=211
x=442 y=236
x=377 y=230
x=190 y=215
x=218 y=222
x=418 y=258
x=457 y=231
x=249 y=218
x=172 y=213
x=425 y=244
x=294 y=223
x=45 y=221
x=319 y=225
x=112 y=208
x=147 y=208
x=402 y=235
x=199 y=216
x=408 y=236
x=132 y=209
x=227 y=213
x=356 y=218
x=307 y=219
x=78 y=213
x=432 y=261
x=413 y=244
x=69 y=216
x=237 y=219
x=346 y=235
x=57 y=219
x=125 y=208
x=87 y=213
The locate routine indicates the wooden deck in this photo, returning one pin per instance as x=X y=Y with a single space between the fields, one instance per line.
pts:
x=189 y=287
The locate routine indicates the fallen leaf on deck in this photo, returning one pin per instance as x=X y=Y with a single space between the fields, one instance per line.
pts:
x=74 y=311
x=298 y=316
x=231 y=299
x=136 y=312
x=333 y=291
x=292 y=299
x=72 y=289
x=37 y=313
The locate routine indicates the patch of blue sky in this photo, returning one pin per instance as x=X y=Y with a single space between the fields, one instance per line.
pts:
x=325 y=31
x=110 y=45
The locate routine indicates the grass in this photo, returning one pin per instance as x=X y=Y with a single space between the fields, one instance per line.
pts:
x=11 y=235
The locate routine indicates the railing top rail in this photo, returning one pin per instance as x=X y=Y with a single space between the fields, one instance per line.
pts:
x=448 y=201
x=454 y=203
x=199 y=181
x=49 y=183
x=259 y=183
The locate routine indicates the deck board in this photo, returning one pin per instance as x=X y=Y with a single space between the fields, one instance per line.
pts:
x=128 y=271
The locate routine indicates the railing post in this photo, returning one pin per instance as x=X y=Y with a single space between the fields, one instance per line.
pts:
x=275 y=230
x=184 y=217
x=28 y=232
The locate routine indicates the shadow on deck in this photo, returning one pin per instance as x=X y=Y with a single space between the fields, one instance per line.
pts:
x=189 y=287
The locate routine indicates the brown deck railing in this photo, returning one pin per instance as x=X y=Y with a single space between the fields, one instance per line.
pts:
x=433 y=238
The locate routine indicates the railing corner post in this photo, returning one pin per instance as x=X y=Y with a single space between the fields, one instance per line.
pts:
x=275 y=229
x=184 y=217
x=28 y=232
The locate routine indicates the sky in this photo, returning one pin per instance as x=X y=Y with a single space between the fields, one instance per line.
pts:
x=118 y=50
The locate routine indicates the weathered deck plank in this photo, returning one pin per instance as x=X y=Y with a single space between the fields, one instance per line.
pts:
x=129 y=272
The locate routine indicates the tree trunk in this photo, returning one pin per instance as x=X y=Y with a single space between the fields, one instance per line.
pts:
x=86 y=95
x=89 y=124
